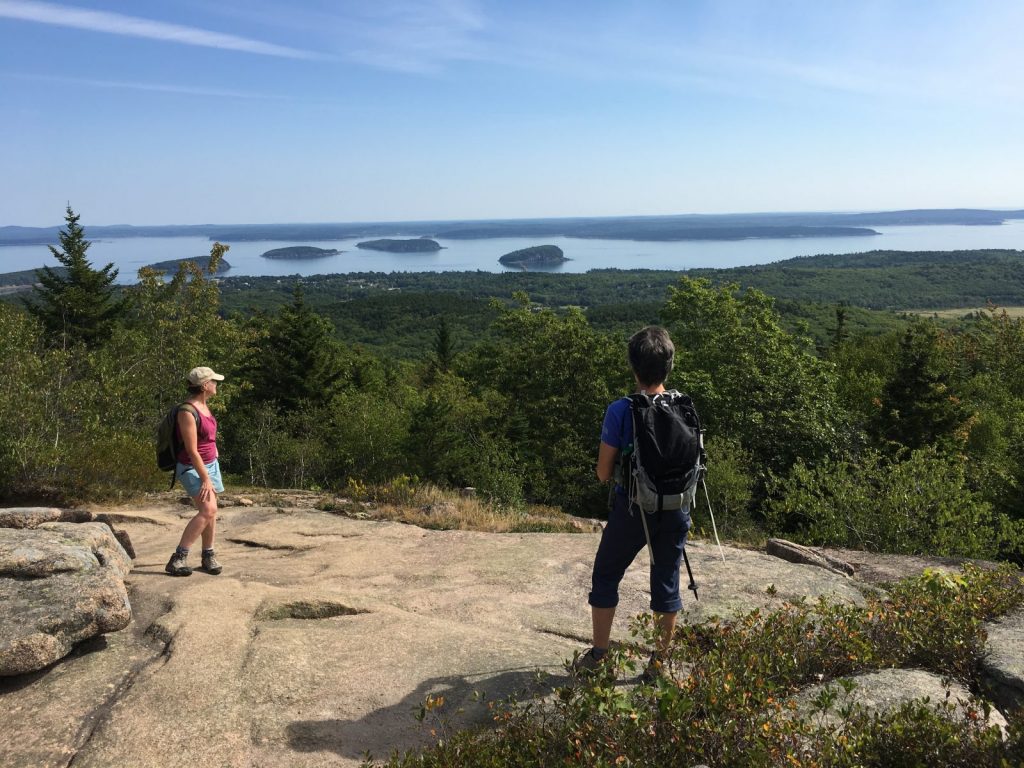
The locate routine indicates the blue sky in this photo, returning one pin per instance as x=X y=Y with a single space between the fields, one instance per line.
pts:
x=248 y=111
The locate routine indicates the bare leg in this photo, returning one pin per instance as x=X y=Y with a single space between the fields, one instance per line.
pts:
x=666 y=625
x=602 y=619
x=211 y=528
x=206 y=518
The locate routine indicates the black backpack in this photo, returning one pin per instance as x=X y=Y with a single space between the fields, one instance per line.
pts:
x=168 y=441
x=668 y=460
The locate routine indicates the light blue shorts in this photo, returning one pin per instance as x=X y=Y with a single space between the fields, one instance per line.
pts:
x=190 y=481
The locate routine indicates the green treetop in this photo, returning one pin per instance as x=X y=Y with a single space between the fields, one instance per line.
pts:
x=300 y=360
x=77 y=304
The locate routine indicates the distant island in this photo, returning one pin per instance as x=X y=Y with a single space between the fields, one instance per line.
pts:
x=535 y=256
x=203 y=262
x=299 y=252
x=415 y=245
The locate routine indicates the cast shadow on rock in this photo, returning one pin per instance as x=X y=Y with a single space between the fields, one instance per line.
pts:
x=392 y=728
x=15 y=683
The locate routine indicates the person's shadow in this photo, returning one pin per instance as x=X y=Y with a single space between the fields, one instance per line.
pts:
x=394 y=728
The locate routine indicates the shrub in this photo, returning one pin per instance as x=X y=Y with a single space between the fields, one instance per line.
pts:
x=922 y=504
x=730 y=485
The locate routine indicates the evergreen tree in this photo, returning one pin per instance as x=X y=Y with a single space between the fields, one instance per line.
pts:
x=444 y=347
x=919 y=408
x=76 y=304
x=300 y=361
x=839 y=333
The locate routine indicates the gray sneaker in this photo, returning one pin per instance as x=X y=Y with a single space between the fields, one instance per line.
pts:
x=176 y=566
x=210 y=564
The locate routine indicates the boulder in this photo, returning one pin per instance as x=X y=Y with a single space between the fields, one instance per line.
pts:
x=60 y=584
x=1003 y=664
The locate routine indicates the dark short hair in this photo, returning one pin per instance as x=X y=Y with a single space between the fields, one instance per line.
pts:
x=195 y=389
x=651 y=353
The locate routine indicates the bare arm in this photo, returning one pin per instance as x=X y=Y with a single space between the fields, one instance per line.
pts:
x=606 y=458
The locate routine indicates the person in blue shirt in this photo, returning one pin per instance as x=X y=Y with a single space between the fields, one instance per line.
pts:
x=651 y=354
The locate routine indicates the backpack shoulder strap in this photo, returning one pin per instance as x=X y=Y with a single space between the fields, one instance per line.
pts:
x=191 y=409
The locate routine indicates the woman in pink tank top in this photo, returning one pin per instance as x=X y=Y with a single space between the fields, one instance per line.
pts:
x=199 y=471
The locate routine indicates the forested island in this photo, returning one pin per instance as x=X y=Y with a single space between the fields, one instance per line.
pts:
x=203 y=262
x=414 y=245
x=299 y=252
x=534 y=256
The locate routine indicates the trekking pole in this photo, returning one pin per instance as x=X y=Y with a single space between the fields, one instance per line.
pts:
x=713 y=526
x=647 y=534
x=689 y=572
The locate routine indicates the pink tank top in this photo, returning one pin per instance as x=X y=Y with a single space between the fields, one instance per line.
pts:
x=206 y=441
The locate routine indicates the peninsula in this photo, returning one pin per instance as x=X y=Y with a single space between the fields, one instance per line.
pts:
x=299 y=252
x=534 y=256
x=415 y=245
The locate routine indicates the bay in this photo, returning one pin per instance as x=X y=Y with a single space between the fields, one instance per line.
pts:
x=246 y=259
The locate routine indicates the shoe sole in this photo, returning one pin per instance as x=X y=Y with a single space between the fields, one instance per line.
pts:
x=178 y=573
x=212 y=571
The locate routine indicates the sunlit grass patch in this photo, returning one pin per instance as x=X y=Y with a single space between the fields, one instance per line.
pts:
x=430 y=506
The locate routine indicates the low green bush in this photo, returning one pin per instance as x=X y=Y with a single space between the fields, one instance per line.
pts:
x=920 y=503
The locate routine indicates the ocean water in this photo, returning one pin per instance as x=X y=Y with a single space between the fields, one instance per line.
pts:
x=245 y=258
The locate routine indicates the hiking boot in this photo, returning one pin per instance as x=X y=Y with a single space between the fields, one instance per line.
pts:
x=588 y=663
x=210 y=564
x=176 y=566
x=654 y=671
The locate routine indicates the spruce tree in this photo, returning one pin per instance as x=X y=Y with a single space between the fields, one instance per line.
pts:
x=444 y=347
x=919 y=407
x=300 y=361
x=76 y=304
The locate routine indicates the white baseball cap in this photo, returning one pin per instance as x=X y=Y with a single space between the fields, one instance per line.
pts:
x=202 y=374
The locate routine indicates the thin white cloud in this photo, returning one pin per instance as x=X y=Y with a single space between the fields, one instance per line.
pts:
x=415 y=36
x=410 y=36
x=134 y=26
x=186 y=90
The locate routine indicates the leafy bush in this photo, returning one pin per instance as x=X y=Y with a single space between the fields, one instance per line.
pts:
x=752 y=380
x=730 y=484
x=922 y=504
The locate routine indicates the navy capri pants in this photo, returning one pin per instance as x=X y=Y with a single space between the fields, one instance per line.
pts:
x=622 y=540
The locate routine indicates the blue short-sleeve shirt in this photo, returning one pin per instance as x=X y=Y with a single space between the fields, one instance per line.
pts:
x=617 y=429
